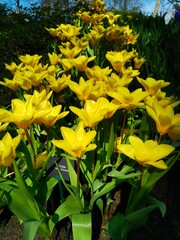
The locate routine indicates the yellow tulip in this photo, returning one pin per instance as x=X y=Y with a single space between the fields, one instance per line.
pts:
x=151 y=85
x=66 y=64
x=139 y=62
x=146 y=153
x=174 y=132
x=83 y=89
x=13 y=67
x=81 y=43
x=76 y=142
x=22 y=113
x=81 y=62
x=94 y=36
x=31 y=60
x=8 y=146
x=85 y=16
x=54 y=58
x=111 y=17
x=52 y=116
x=93 y=111
x=44 y=112
x=3 y=126
x=163 y=117
x=119 y=59
x=98 y=5
x=99 y=74
x=58 y=84
x=128 y=100
x=12 y=84
x=40 y=158
x=70 y=53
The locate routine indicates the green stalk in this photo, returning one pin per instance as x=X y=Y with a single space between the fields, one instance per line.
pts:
x=78 y=173
x=123 y=125
x=32 y=146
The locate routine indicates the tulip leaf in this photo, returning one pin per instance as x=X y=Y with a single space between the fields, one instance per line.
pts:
x=110 y=148
x=28 y=157
x=100 y=204
x=97 y=184
x=29 y=229
x=82 y=226
x=20 y=204
x=120 y=225
x=122 y=176
x=69 y=207
x=72 y=172
x=105 y=189
x=161 y=205
x=45 y=189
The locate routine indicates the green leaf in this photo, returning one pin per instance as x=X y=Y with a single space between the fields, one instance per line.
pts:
x=82 y=226
x=110 y=148
x=22 y=206
x=23 y=189
x=72 y=172
x=120 y=225
x=45 y=189
x=29 y=229
x=69 y=207
x=122 y=176
x=161 y=205
x=105 y=189
x=97 y=184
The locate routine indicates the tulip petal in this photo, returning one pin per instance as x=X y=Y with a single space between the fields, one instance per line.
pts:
x=159 y=164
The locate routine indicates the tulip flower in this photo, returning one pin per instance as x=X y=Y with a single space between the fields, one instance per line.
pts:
x=58 y=84
x=70 y=53
x=151 y=85
x=31 y=60
x=111 y=17
x=81 y=62
x=76 y=142
x=98 y=5
x=99 y=74
x=44 y=112
x=8 y=146
x=40 y=158
x=94 y=36
x=163 y=117
x=146 y=153
x=83 y=89
x=12 y=84
x=22 y=113
x=119 y=59
x=128 y=100
x=174 y=132
x=52 y=116
x=93 y=111
x=54 y=58
x=13 y=67
x=3 y=126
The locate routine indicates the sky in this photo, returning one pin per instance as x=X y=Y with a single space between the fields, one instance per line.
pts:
x=148 y=5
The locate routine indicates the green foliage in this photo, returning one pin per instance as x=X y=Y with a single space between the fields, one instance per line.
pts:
x=159 y=44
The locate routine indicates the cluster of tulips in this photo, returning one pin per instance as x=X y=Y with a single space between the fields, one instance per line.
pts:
x=117 y=126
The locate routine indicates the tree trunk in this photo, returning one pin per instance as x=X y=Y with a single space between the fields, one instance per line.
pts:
x=156 y=9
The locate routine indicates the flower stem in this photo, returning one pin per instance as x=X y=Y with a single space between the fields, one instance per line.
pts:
x=78 y=173
x=123 y=125
x=32 y=146
x=159 y=140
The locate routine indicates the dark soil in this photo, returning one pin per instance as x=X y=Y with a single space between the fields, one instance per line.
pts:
x=157 y=228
